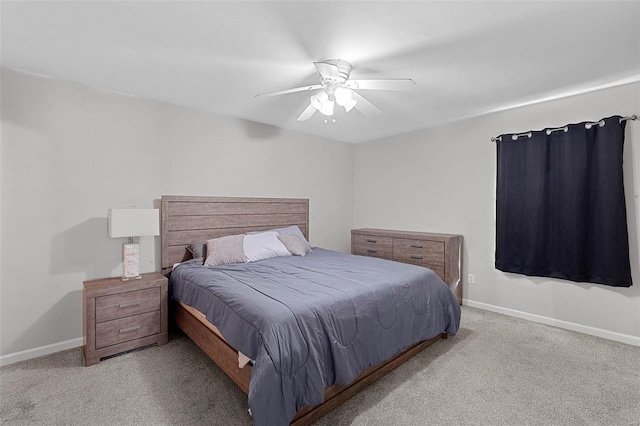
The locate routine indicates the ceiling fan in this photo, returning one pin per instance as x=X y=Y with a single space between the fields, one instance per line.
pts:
x=338 y=89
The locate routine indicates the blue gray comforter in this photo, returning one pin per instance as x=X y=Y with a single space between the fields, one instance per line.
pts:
x=314 y=321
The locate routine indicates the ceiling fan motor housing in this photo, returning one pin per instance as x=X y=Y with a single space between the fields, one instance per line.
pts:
x=344 y=71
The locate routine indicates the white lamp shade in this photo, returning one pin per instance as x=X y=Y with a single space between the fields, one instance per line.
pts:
x=322 y=103
x=319 y=99
x=133 y=222
x=327 y=108
x=343 y=96
x=349 y=105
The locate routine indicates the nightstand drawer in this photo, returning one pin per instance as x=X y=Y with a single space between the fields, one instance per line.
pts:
x=126 y=304
x=366 y=245
x=420 y=252
x=116 y=331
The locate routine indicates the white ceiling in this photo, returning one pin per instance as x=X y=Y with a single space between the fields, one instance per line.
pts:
x=467 y=58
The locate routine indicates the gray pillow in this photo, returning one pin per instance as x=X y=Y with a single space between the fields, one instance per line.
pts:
x=198 y=249
x=294 y=229
x=221 y=251
x=297 y=246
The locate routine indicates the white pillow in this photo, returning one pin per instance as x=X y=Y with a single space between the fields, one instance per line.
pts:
x=263 y=245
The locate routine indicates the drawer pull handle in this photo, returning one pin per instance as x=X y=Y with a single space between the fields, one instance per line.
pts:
x=371 y=251
x=372 y=241
x=128 y=304
x=416 y=245
x=413 y=256
x=128 y=329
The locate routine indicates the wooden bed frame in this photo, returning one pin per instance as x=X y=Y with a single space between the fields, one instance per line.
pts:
x=186 y=218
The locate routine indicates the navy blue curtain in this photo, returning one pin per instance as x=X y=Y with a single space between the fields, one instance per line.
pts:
x=560 y=206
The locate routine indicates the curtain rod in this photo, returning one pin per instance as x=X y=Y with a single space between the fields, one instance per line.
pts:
x=588 y=125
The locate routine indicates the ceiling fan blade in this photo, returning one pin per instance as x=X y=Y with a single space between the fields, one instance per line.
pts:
x=327 y=71
x=307 y=113
x=385 y=84
x=364 y=106
x=294 y=90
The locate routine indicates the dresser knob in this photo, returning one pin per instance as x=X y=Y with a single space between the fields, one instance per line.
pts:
x=372 y=241
x=372 y=251
x=413 y=256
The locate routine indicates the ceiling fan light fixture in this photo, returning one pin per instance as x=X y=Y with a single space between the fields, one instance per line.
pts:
x=327 y=108
x=322 y=103
x=343 y=96
x=319 y=99
x=349 y=105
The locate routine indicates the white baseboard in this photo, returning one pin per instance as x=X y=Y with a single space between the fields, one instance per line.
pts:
x=598 y=332
x=40 y=351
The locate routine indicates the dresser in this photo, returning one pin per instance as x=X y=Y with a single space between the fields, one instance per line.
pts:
x=442 y=253
x=123 y=315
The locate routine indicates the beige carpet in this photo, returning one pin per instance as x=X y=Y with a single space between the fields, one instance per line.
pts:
x=498 y=370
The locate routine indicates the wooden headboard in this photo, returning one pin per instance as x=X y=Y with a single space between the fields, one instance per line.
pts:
x=185 y=218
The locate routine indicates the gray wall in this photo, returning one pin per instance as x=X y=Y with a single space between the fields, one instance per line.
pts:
x=69 y=153
x=442 y=180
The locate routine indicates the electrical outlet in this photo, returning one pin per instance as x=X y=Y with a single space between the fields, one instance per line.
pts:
x=472 y=279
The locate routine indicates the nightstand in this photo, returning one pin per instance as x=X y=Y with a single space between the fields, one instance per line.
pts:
x=123 y=315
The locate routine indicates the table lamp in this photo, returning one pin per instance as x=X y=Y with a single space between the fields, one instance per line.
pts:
x=132 y=223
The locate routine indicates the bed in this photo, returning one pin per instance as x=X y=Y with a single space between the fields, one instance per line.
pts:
x=280 y=284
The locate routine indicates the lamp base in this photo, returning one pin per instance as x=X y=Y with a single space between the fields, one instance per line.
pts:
x=130 y=261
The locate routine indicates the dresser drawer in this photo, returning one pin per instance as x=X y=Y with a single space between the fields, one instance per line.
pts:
x=419 y=252
x=126 y=304
x=370 y=245
x=439 y=270
x=116 y=331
